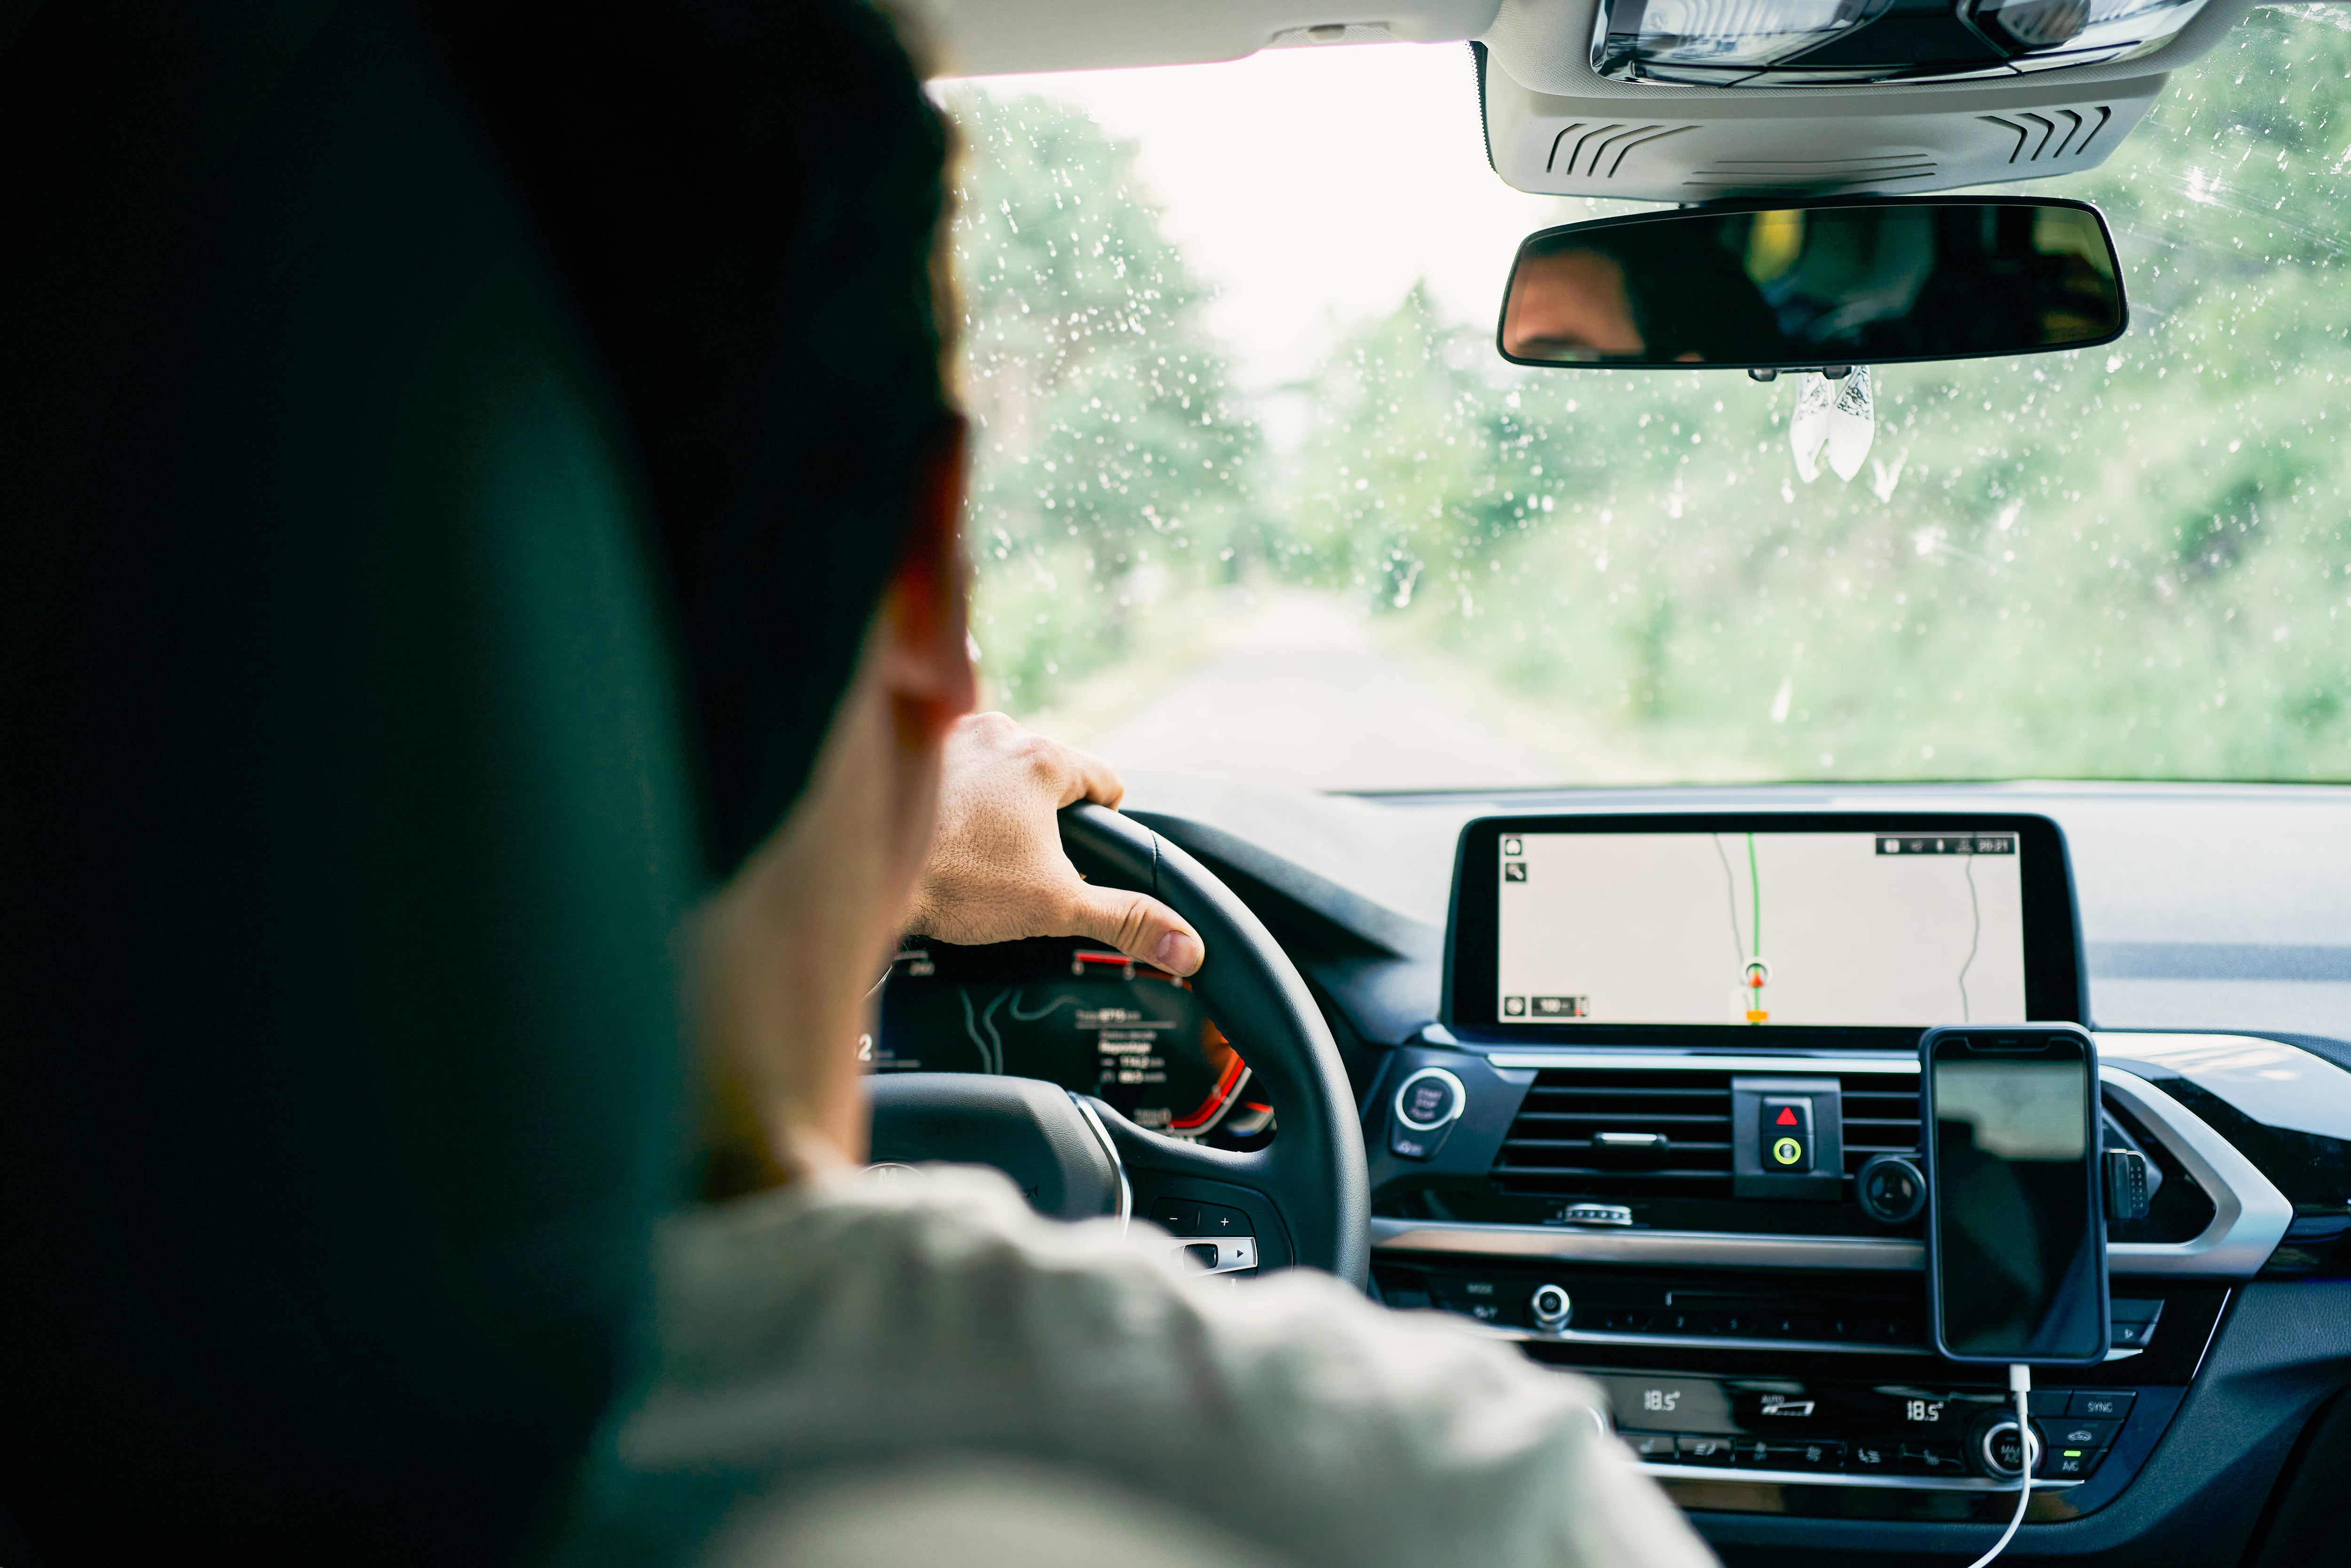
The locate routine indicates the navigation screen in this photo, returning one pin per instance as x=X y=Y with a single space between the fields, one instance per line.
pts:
x=1760 y=928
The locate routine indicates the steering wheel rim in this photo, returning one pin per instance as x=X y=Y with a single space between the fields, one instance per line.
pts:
x=1312 y=1175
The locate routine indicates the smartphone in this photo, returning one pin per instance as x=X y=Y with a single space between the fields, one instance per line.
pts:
x=2016 y=1233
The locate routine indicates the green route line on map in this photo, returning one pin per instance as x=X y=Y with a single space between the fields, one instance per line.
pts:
x=1755 y=882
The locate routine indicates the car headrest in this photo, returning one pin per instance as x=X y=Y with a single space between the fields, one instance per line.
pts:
x=341 y=839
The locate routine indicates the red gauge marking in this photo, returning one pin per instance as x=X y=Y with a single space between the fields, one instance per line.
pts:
x=1235 y=1073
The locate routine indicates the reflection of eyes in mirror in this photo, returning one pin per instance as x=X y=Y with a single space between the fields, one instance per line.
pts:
x=1571 y=305
x=1858 y=283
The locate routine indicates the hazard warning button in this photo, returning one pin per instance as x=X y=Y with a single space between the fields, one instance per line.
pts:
x=1787 y=1133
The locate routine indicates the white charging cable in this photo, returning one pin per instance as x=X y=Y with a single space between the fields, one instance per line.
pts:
x=2020 y=1382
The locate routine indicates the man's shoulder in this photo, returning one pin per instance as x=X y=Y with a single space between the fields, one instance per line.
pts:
x=867 y=1320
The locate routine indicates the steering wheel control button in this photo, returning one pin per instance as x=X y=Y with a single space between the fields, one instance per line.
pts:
x=2100 y=1404
x=1697 y=1448
x=1891 y=1189
x=1217 y=1221
x=1176 y=1215
x=1236 y=1256
x=1551 y=1307
x=1785 y=1132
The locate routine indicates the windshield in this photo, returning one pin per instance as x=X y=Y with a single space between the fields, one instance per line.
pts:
x=1254 y=495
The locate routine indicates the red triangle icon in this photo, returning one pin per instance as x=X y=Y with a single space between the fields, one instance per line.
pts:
x=1787 y=1118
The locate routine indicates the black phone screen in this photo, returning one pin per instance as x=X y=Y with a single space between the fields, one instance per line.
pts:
x=2015 y=1239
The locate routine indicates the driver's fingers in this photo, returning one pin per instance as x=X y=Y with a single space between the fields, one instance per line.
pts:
x=1138 y=925
x=1091 y=777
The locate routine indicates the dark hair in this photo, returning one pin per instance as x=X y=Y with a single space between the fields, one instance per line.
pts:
x=743 y=198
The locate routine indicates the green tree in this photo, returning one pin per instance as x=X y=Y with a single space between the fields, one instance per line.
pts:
x=1110 y=462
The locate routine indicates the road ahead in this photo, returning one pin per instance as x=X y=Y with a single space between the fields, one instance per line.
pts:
x=1300 y=688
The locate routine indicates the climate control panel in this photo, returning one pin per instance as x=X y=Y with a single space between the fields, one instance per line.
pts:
x=1810 y=1430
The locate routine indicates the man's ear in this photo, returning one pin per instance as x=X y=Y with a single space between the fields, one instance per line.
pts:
x=927 y=611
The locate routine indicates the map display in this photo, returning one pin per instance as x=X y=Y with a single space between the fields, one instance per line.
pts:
x=1835 y=929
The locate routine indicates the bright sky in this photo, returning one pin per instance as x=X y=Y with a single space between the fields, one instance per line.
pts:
x=1313 y=185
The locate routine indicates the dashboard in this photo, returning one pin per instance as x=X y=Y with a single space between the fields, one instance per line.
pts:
x=1558 y=1010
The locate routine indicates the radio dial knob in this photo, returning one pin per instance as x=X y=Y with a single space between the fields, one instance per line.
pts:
x=1552 y=1307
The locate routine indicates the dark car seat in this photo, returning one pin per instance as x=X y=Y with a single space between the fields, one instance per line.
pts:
x=342 y=834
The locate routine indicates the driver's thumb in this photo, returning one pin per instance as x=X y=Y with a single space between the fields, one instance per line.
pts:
x=1140 y=926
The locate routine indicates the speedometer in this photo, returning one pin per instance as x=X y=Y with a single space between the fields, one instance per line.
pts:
x=1072 y=1013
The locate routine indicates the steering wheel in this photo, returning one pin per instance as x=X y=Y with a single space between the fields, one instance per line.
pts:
x=1302 y=1199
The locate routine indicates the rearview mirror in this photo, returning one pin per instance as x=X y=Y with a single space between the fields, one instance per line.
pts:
x=1866 y=282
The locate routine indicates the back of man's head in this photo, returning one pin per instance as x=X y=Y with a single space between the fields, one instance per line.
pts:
x=337 y=1047
x=744 y=197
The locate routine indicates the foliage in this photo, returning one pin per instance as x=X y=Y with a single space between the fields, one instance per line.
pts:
x=1109 y=461
x=2127 y=562
x=2130 y=562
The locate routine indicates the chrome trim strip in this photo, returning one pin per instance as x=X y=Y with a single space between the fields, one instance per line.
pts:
x=1700 y=1342
x=1693 y=1341
x=1102 y=1136
x=1715 y=1248
x=1683 y=1061
x=2249 y=1215
x=1835 y=1479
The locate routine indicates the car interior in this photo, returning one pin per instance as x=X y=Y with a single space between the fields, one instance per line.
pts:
x=1709 y=1189
x=1794 y=1102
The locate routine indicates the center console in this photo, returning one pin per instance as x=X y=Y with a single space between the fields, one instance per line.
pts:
x=1666 y=1136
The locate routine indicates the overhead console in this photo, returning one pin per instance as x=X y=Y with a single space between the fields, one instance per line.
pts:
x=1667 y=1131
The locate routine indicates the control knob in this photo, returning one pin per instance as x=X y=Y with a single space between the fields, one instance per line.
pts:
x=1996 y=1450
x=1551 y=1307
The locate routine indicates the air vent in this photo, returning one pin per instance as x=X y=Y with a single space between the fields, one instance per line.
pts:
x=1596 y=148
x=1666 y=1135
x=2056 y=133
x=1619 y=1135
x=1879 y=1120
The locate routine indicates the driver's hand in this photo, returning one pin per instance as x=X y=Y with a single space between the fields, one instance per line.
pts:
x=996 y=871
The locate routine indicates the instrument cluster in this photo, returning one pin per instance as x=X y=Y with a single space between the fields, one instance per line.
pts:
x=1072 y=1013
